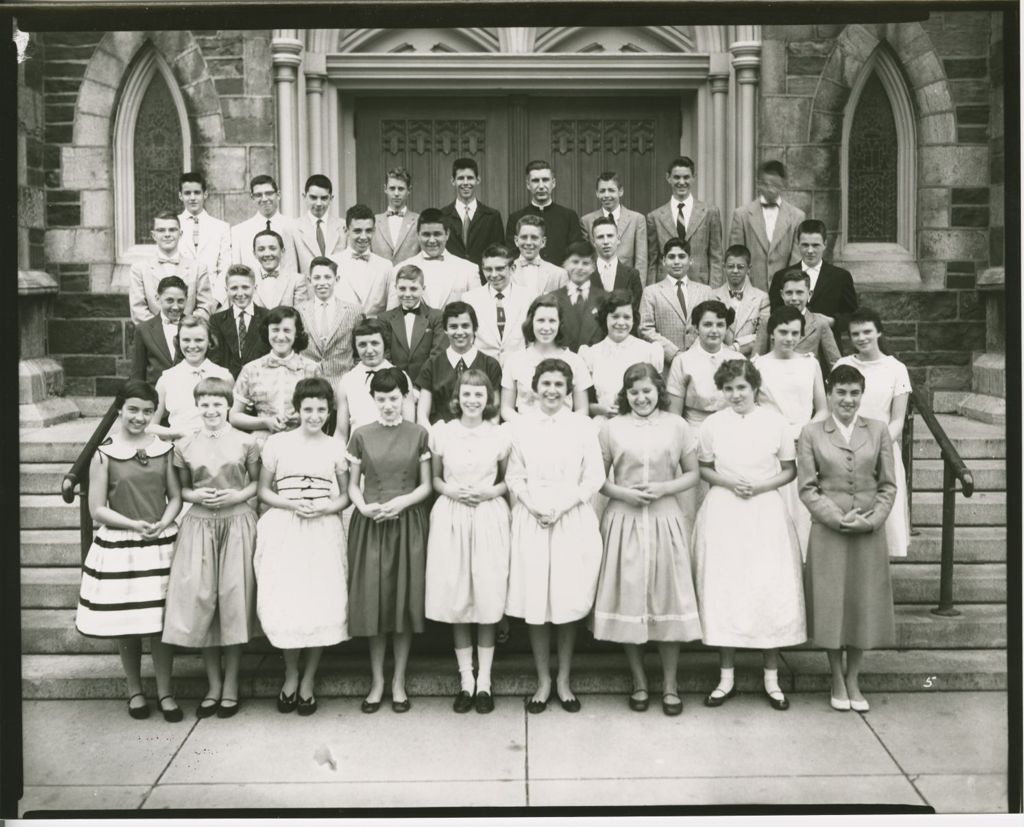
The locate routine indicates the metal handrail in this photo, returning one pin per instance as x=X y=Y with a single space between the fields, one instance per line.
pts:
x=76 y=480
x=953 y=469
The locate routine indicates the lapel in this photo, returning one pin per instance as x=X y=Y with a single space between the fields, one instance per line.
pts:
x=668 y=221
x=759 y=228
x=621 y=277
x=745 y=308
x=398 y=328
x=408 y=222
x=834 y=436
x=160 y=342
x=230 y=332
x=860 y=435
x=810 y=327
x=419 y=327
x=787 y=218
x=271 y=289
x=336 y=318
x=669 y=291
x=252 y=336
x=700 y=212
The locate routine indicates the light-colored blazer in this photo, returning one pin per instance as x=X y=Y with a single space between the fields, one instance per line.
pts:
x=395 y=249
x=516 y=303
x=363 y=282
x=303 y=231
x=214 y=249
x=242 y=236
x=146 y=275
x=632 y=237
x=540 y=278
x=750 y=327
x=287 y=289
x=766 y=258
x=662 y=319
x=704 y=232
x=331 y=346
x=834 y=476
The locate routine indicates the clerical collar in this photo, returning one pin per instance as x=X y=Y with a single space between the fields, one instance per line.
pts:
x=541 y=207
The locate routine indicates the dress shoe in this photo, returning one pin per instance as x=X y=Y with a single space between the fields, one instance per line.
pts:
x=780 y=704
x=671 y=707
x=638 y=704
x=228 y=707
x=369 y=707
x=859 y=706
x=287 y=703
x=172 y=716
x=711 y=699
x=138 y=712
x=841 y=705
x=401 y=706
x=535 y=707
x=463 y=702
x=307 y=706
x=205 y=710
x=484 y=702
x=571 y=705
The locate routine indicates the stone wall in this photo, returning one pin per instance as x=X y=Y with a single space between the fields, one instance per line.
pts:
x=31 y=166
x=997 y=189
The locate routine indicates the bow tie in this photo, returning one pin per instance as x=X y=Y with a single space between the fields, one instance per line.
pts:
x=277 y=362
x=524 y=263
x=174 y=261
x=435 y=258
x=415 y=311
x=736 y=294
x=363 y=257
x=198 y=372
x=395 y=212
x=369 y=375
x=769 y=205
x=270 y=275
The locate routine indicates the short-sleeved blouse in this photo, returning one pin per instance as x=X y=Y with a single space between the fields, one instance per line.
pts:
x=268 y=383
x=702 y=396
x=390 y=457
x=217 y=459
x=884 y=380
x=518 y=373
x=642 y=449
x=608 y=360
x=175 y=387
x=787 y=387
x=750 y=445
x=470 y=455
x=356 y=384
x=304 y=468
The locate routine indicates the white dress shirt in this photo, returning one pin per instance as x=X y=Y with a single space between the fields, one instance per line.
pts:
x=606 y=270
x=578 y=292
x=845 y=430
x=813 y=273
x=170 y=333
x=395 y=223
x=687 y=209
x=770 y=212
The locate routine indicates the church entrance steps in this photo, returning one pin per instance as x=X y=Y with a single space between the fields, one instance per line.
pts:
x=989 y=474
x=42 y=477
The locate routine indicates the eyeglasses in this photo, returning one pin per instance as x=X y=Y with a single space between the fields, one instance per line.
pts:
x=263 y=196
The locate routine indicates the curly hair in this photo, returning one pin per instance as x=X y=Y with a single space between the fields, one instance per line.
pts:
x=737 y=369
x=553 y=366
x=278 y=315
x=633 y=374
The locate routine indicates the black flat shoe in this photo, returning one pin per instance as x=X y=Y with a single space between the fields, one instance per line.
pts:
x=369 y=707
x=484 y=703
x=139 y=713
x=781 y=705
x=463 y=702
x=401 y=706
x=172 y=716
x=639 y=704
x=571 y=705
x=307 y=706
x=669 y=707
x=205 y=710
x=717 y=700
x=287 y=703
x=228 y=711
x=535 y=707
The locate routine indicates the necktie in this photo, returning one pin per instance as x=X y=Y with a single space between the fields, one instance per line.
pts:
x=320 y=237
x=736 y=294
x=681 y=223
x=242 y=330
x=577 y=294
x=268 y=225
x=459 y=367
x=465 y=225
x=612 y=217
x=681 y=296
x=498 y=297
x=322 y=321
x=195 y=231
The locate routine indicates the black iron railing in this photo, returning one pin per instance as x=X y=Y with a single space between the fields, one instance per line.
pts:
x=953 y=469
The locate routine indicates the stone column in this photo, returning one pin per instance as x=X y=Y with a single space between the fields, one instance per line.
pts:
x=719 y=77
x=517 y=39
x=315 y=69
x=746 y=61
x=286 y=50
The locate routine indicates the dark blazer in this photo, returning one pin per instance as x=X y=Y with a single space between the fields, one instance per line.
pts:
x=579 y=322
x=834 y=294
x=626 y=278
x=485 y=229
x=225 y=354
x=428 y=338
x=150 y=356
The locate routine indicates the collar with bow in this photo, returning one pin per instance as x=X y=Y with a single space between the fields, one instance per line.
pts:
x=292 y=362
x=400 y=212
x=164 y=260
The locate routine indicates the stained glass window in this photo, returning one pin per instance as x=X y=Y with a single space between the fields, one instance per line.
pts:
x=158 y=156
x=872 y=196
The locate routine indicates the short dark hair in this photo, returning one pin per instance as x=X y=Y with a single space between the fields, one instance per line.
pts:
x=319 y=180
x=719 y=308
x=612 y=302
x=239 y=270
x=672 y=243
x=533 y=166
x=738 y=251
x=682 y=161
x=192 y=178
x=784 y=314
x=324 y=261
x=168 y=282
x=844 y=375
x=214 y=386
x=544 y=300
x=608 y=176
x=772 y=168
x=410 y=272
x=478 y=378
x=603 y=220
x=136 y=389
x=278 y=315
x=734 y=369
x=794 y=274
x=314 y=387
x=262 y=179
x=431 y=215
x=165 y=215
x=865 y=315
x=401 y=174
x=552 y=366
x=812 y=226
x=465 y=163
x=458 y=308
x=371 y=327
x=358 y=212
x=386 y=380
x=581 y=248
x=633 y=374
x=497 y=250
x=274 y=233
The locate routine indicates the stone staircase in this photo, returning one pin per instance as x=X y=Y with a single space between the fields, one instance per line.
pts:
x=952 y=653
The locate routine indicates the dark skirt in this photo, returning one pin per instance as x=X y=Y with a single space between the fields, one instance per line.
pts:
x=387 y=573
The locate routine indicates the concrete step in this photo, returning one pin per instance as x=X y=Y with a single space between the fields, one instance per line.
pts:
x=971 y=544
x=61 y=443
x=989 y=474
x=943 y=402
x=97 y=406
x=46 y=413
x=50 y=547
x=42 y=477
x=972 y=440
x=919 y=583
x=983 y=508
x=988 y=374
x=983 y=407
x=48 y=511
x=51 y=677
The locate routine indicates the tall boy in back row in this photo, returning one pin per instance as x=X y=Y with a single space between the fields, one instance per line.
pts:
x=204 y=239
x=394 y=230
x=472 y=225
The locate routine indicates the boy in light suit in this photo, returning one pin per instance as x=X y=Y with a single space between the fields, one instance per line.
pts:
x=275 y=286
x=316 y=233
x=500 y=305
x=363 y=276
x=817 y=338
x=204 y=238
x=630 y=226
x=530 y=271
x=263 y=191
x=417 y=333
x=394 y=231
x=445 y=276
x=750 y=325
x=614 y=273
x=329 y=321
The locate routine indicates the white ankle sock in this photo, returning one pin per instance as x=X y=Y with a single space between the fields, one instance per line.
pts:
x=485 y=657
x=464 y=657
x=771 y=682
x=725 y=680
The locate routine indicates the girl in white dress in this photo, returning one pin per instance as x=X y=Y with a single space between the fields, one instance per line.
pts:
x=468 y=546
x=791 y=385
x=544 y=340
x=554 y=469
x=749 y=578
x=886 y=395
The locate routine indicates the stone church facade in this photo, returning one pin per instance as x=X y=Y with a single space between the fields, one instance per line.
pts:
x=892 y=134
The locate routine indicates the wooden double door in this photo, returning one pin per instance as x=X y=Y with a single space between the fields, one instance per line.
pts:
x=581 y=137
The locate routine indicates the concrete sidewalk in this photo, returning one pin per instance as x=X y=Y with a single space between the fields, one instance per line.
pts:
x=947 y=750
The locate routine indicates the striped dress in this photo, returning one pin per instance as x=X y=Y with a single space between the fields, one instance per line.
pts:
x=124 y=577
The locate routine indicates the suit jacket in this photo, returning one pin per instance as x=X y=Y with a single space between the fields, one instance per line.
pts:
x=747 y=227
x=704 y=232
x=283 y=289
x=395 y=249
x=750 y=327
x=632 y=236
x=834 y=476
x=303 y=232
x=834 y=294
x=225 y=353
x=540 y=278
x=444 y=280
x=146 y=275
x=242 y=236
x=579 y=322
x=485 y=229
x=214 y=249
x=150 y=354
x=662 y=319
x=629 y=279
x=516 y=303
x=331 y=346
x=428 y=338
x=363 y=282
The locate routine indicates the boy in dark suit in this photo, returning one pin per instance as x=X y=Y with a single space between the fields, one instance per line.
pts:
x=237 y=329
x=472 y=225
x=417 y=332
x=154 y=349
x=579 y=300
x=817 y=338
x=614 y=273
